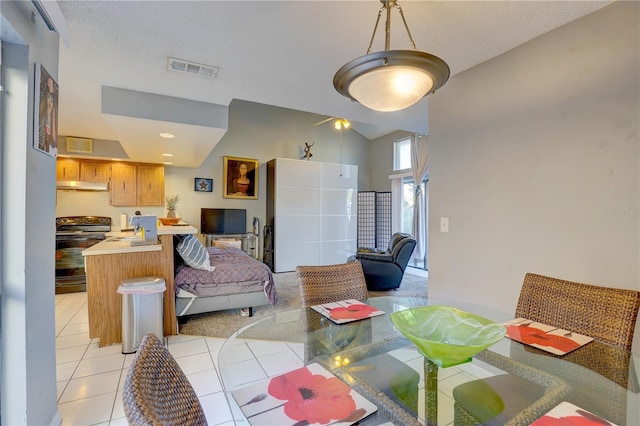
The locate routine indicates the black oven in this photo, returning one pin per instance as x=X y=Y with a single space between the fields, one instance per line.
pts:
x=73 y=235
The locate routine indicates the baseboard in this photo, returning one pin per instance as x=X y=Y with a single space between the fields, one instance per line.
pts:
x=416 y=271
x=56 y=420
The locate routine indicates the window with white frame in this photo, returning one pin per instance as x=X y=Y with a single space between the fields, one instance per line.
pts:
x=402 y=154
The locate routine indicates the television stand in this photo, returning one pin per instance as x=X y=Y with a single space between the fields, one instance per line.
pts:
x=246 y=242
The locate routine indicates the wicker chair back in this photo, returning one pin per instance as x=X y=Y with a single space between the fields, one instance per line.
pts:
x=331 y=283
x=606 y=314
x=156 y=391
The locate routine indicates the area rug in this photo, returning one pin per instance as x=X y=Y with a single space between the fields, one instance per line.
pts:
x=225 y=323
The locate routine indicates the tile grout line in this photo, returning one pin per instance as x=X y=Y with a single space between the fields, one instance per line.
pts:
x=84 y=353
x=115 y=399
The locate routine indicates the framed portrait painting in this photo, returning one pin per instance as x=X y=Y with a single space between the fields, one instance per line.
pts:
x=45 y=114
x=240 y=178
x=203 y=185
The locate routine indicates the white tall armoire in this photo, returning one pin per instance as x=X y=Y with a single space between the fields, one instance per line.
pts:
x=312 y=209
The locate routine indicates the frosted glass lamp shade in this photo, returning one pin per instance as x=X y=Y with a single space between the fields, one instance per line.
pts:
x=391 y=88
x=391 y=80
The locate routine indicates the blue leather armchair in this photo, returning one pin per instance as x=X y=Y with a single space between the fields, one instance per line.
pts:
x=384 y=270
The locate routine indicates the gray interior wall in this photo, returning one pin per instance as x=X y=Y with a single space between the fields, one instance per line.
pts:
x=265 y=132
x=381 y=159
x=535 y=160
x=27 y=340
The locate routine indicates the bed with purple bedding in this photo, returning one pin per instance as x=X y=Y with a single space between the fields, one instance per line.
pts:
x=237 y=281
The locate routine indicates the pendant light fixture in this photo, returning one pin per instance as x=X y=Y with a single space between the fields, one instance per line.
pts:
x=391 y=80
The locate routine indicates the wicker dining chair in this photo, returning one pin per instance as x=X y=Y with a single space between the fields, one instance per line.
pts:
x=156 y=391
x=606 y=314
x=326 y=284
x=331 y=283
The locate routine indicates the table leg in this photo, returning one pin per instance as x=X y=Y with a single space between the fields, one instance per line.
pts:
x=431 y=387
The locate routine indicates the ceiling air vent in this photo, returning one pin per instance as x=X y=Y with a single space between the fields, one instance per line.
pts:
x=180 y=65
x=79 y=145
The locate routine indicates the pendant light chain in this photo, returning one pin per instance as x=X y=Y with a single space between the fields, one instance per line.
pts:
x=406 y=27
x=340 y=151
x=387 y=26
x=375 y=27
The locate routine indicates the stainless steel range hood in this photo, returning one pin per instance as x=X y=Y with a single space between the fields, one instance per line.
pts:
x=77 y=185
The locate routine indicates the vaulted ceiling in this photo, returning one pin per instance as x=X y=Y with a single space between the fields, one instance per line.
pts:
x=281 y=53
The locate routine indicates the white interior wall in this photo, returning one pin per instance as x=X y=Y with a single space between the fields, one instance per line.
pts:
x=534 y=157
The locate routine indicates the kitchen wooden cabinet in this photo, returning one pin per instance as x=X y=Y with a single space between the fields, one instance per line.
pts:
x=122 y=190
x=137 y=184
x=84 y=170
x=94 y=171
x=150 y=185
x=67 y=169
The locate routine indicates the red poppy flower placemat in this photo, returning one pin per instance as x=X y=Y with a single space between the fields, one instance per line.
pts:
x=567 y=414
x=347 y=311
x=305 y=396
x=545 y=337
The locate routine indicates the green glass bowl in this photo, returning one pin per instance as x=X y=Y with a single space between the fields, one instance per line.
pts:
x=446 y=335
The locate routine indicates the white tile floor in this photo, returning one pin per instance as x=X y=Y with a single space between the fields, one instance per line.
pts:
x=90 y=379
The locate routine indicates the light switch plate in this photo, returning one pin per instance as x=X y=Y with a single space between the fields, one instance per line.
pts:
x=444 y=224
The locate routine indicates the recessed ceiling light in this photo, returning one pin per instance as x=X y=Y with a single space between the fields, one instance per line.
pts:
x=167 y=135
x=166 y=154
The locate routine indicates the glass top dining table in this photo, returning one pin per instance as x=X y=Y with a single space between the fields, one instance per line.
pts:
x=378 y=362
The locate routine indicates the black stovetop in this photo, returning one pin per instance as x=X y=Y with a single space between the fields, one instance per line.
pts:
x=78 y=224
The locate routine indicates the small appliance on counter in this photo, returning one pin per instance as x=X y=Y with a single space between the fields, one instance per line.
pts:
x=147 y=225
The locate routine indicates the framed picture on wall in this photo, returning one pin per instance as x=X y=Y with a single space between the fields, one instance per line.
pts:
x=45 y=114
x=203 y=185
x=240 y=178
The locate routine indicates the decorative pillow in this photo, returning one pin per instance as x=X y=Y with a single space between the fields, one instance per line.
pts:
x=194 y=253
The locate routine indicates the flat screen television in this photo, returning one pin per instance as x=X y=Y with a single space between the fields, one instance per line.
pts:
x=223 y=221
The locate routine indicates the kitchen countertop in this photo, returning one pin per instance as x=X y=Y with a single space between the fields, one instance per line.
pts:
x=162 y=230
x=177 y=230
x=115 y=245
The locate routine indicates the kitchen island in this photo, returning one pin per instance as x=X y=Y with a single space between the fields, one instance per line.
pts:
x=115 y=259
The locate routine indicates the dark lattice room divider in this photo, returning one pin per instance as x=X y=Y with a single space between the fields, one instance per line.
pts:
x=383 y=219
x=374 y=219
x=367 y=219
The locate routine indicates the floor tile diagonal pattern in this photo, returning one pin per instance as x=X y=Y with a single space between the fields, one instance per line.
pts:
x=90 y=379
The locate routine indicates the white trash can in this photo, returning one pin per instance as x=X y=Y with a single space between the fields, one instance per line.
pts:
x=141 y=310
